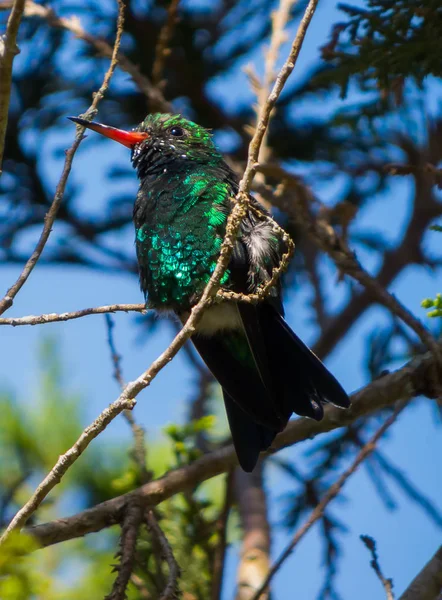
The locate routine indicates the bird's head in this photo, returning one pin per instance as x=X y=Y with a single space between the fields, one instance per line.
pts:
x=161 y=138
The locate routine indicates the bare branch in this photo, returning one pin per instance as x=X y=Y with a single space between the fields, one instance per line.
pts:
x=162 y=49
x=8 y=300
x=137 y=431
x=387 y=583
x=330 y=494
x=170 y=591
x=64 y=462
x=67 y=316
x=278 y=36
x=395 y=169
x=427 y=585
x=8 y=51
x=413 y=379
x=133 y=516
x=265 y=112
x=116 y=358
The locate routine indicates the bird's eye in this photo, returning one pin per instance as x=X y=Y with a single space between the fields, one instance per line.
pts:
x=176 y=131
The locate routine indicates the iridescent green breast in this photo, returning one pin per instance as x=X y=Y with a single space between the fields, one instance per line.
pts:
x=179 y=242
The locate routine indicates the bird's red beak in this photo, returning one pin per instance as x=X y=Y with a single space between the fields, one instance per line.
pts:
x=127 y=138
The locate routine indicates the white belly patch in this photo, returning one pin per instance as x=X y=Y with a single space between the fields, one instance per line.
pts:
x=220 y=317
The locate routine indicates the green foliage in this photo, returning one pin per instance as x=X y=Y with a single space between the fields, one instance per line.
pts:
x=435 y=304
x=17 y=579
x=184 y=438
x=189 y=519
x=32 y=435
x=386 y=42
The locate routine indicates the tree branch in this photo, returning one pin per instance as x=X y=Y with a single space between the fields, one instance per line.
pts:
x=68 y=316
x=265 y=112
x=411 y=380
x=133 y=516
x=427 y=585
x=8 y=51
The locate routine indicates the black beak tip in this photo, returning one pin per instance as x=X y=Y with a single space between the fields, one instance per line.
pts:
x=79 y=121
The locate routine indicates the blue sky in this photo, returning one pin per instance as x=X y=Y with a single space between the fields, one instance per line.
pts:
x=406 y=538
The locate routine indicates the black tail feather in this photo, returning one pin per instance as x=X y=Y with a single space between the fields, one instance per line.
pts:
x=282 y=376
x=249 y=438
x=304 y=381
x=241 y=381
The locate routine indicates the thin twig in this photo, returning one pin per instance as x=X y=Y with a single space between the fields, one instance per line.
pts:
x=162 y=49
x=264 y=290
x=8 y=51
x=133 y=516
x=171 y=589
x=68 y=316
x=126 y=567
x=387 y=583
x=269 y=105
x=137 y=431
x=412 y=380
x=116 y=358
x=8 y=300
x=330 y=494
x=127 y=397
x=280 y=18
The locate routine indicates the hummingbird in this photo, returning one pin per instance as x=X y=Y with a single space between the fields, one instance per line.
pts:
x=184 y=198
